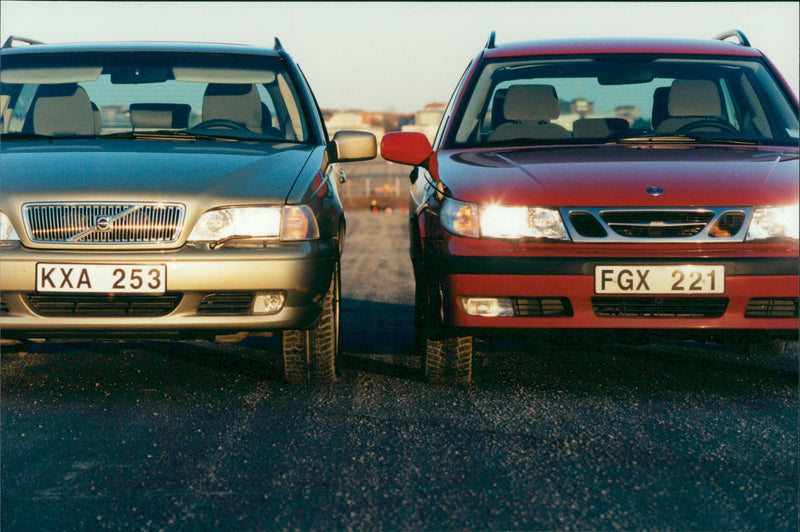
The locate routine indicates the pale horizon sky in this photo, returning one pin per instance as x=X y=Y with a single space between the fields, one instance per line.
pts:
x=399 y=56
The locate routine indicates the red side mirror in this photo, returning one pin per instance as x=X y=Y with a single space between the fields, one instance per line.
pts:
x=405 y=147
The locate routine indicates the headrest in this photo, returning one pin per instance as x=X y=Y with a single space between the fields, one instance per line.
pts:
x=530 y=103
x=238 y=102
x=63 y=109
x=694 y=97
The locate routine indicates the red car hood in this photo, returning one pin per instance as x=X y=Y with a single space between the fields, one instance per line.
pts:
x=620 y=176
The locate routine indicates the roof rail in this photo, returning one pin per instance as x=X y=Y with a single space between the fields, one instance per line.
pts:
x=278 y=46
x=733 y=33
x=490 y=42
x=13 y=38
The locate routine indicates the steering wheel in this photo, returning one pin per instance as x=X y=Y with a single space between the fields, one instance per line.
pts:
x=221 y=123
x=722 y=125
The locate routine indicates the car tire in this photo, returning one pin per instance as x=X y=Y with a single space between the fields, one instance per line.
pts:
x=309 y=355
x=448 y=358
x=444 y=352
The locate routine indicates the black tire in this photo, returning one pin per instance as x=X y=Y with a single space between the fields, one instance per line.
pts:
x=434 y=360
x=459 y=350
x=309 y=355
x=448 y=359
x=445 y=354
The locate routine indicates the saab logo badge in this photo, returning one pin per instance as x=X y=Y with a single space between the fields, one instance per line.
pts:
x=655 y=191
x=102 y=223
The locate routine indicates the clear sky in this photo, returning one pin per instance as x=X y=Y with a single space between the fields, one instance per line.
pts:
x=400 y=55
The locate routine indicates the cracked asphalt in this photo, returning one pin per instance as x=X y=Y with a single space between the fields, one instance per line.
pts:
x=555 y=433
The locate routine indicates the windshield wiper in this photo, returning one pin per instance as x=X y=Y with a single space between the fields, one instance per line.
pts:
x=672 y=137
x=168 y=135
x=29 y=136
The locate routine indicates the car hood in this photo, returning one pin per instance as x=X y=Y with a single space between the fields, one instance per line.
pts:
x=121 y=170
x=621 y=175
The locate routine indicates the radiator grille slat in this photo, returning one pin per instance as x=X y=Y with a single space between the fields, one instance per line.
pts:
x=104 y=223
x=542 y=307
x=628 y=224
x=772 y=307
x=660 y=307
x=226 y=303
x=102 y=305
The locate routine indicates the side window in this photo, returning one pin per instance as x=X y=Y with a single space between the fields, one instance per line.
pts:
x=448 y=111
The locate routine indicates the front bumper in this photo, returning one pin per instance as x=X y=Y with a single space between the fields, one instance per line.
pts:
x=208 y=293
x=559 y=292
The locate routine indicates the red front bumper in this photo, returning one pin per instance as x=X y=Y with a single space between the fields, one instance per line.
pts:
x=579 y=291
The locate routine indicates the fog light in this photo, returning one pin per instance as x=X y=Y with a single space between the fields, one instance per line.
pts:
x=487 y=306
x=269 y=303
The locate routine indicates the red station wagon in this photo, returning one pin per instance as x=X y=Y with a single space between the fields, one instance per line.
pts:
x=606 y=185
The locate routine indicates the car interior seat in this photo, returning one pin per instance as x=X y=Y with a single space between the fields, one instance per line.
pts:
x=660 y=110
x=528 y=110
x=598 y=128
x=266 y=122
x=691 y=100
x=63 y=109
x=238 y=103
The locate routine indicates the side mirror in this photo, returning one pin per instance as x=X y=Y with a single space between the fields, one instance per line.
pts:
x=406 y=147
x=348 y=146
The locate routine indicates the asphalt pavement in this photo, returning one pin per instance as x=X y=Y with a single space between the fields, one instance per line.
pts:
x=555 y=433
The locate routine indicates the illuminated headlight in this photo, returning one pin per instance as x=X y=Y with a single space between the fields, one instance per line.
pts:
x=292 y=222
x=774 y=222
x=7 y=231
x=498 y=221
x=521 y=222
x=489 y=307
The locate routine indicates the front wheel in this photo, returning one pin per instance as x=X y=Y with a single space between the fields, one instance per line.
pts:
x=448 y=357
x=309 y=355
x=444 y=352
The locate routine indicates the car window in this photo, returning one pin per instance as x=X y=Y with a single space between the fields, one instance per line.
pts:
x=117 y=94
x=591 y=99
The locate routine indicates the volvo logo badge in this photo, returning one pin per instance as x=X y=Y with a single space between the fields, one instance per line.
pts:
x=103 y=223
x=655 y=191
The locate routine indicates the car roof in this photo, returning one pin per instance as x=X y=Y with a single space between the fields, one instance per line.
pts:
x=136 y=47
x=620 y=46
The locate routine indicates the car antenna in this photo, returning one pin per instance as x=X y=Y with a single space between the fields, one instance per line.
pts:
x=490 y=42
x=278 y=45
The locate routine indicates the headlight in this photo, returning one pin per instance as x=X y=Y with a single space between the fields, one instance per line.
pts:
x=774 y=222
x=521 y=222
x=460 y=218
x=293 y=222
x=497 y=221
x=7 y=231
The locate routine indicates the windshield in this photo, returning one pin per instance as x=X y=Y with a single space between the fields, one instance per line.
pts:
x=147 y=93
x=608 y=98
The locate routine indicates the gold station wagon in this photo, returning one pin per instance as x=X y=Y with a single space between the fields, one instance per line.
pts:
x=170 y=191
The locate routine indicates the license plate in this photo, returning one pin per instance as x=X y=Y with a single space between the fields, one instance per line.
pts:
x=101 y=278
x=683 y=279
